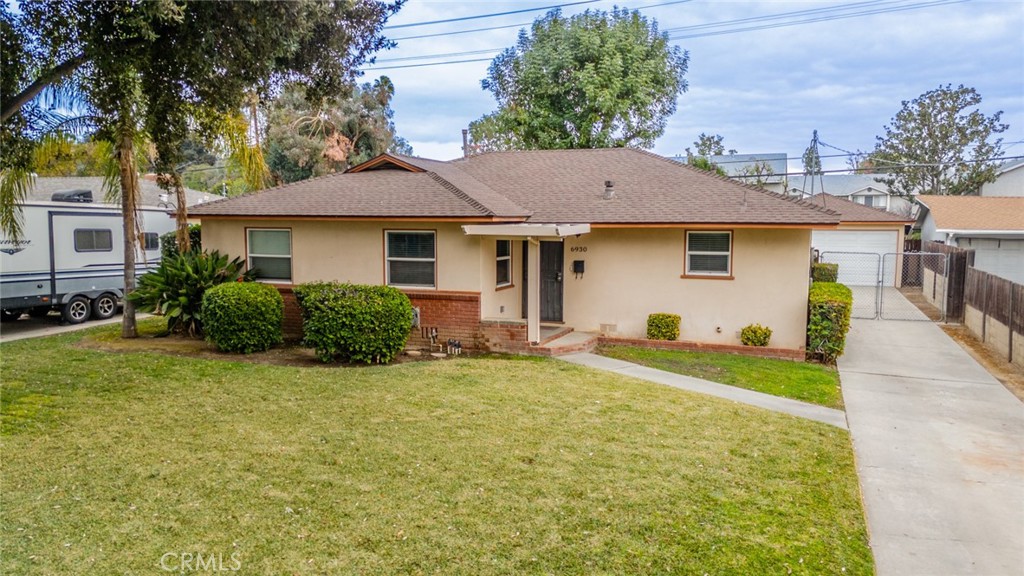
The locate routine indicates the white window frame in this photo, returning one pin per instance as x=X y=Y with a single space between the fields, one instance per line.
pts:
x=691 y=252
x=249 y=254
x=388 y=259
x=498 y=259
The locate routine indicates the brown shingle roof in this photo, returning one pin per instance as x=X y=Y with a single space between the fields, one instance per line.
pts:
x=549 y=186
x=853 y=212
x=975 y=212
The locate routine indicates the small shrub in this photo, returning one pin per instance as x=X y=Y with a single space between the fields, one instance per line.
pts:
x=169 y=241
x=175 y=289
x=755 y=335
x=243 y=316
x=661 y=326
x=824 y=272
x=354 y=323
x=828 y=320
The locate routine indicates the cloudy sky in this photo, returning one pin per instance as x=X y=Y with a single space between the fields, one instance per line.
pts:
x=761 y=74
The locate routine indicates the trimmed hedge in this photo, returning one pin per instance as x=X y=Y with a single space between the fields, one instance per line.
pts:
x=354 y=323
x=824 y=272
x=169 y=241
x=243 y=316
x=661 y=326
x=828 y=320
x=755 y=335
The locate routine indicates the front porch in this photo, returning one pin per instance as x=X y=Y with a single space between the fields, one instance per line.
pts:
x=510 y=336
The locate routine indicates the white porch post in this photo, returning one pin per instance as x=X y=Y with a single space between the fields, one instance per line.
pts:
x=533 y=291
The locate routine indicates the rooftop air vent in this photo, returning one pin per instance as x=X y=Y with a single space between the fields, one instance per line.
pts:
x=72 y=196
x=609 y=189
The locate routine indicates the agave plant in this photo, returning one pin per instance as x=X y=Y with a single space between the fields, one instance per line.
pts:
x=175 y=289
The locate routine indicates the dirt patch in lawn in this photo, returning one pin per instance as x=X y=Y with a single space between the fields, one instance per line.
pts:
x=288 y=354
x=992 y=361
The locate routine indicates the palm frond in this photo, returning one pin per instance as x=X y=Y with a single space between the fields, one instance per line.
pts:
x=15 y=185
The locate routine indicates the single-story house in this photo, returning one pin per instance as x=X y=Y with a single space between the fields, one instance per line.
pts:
x=862 y=189
x=862 y=230
x=991 y=226
x=493 y=246
x=1009 y=180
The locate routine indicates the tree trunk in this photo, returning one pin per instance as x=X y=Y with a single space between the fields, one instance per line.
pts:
x=129 y=210
x=181 y=214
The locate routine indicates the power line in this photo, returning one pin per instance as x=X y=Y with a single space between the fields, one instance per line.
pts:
x=492 y=15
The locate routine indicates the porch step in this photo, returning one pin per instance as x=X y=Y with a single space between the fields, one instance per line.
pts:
x=571 y=343
x=551 y=333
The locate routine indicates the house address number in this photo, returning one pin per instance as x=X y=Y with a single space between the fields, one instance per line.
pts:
x=578 y=249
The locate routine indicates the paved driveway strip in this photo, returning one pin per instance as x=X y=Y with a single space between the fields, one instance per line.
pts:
x=761 y=400
x=940 y=452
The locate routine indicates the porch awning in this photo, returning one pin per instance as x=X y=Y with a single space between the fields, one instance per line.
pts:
x=526 y=230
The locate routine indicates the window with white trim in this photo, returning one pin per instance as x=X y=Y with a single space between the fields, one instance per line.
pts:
x=503 y=263
x=270 y=253
x=709 y=253
x=93 y=240
x=411 y=258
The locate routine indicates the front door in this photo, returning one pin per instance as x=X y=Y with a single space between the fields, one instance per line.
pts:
x=552 y=259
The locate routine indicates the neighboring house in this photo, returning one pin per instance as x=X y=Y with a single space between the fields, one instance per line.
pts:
x=490 y=246
x=46 y=186
x=1009 y=180
x=992 y=227
x=860 y=188
x=862 y=230
x=770 y=168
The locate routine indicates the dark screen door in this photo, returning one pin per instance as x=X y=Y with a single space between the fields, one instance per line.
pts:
x=552 y=259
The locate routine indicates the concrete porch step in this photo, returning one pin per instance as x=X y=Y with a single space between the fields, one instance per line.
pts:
x=570 y=343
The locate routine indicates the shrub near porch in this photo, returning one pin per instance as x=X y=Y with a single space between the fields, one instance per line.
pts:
x=470 y=466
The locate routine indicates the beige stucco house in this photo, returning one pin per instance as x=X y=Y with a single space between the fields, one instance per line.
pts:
x=503 y=249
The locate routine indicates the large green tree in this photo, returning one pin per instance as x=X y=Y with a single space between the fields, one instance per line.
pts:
x=940 y=143
x=594 y=80
x=158 y=68
x=310 y=138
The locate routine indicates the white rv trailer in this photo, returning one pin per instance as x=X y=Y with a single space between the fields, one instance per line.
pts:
x=71 y=258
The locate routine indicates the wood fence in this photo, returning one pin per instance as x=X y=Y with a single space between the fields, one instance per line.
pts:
x=959 y=261
x=1000 y=304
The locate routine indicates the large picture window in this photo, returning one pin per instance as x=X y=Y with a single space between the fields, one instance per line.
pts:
x=411 y=258
x=709 y=253
x=503 y=263
x=93 y=240
x=270 y=254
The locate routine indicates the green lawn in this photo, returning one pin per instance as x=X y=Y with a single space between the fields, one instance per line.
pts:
x=807 y=382
x=469 y=466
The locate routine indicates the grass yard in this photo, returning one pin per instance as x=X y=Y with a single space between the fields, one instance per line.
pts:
x=807 y=382
x=113 y=461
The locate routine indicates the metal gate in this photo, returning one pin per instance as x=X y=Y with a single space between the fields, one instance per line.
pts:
x=895 y=285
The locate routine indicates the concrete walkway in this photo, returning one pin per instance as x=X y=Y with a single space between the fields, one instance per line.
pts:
x=940 y=452
x=767 y=401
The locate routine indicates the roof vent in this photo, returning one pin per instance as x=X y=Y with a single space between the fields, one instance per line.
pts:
x=72 y=196
x=609 y=189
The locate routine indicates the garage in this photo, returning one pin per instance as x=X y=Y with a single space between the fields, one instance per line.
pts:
x=1003 y=257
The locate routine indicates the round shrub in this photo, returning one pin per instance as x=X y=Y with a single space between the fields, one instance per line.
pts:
x=662 y=326
x=354 y=323
x=755 y=335
x=243 y=316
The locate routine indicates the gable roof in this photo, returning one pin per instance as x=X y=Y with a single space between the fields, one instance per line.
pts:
x=852 y=212
x=975 y=212
x=543 y=186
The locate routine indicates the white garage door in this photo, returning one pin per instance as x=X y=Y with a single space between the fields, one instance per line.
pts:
x=854 y=270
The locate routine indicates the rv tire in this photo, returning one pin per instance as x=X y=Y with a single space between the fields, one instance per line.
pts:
x=77 y=310
x=9 y=315
x=104 y=306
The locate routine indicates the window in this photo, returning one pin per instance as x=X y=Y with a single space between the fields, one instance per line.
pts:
x=411 y=258
x=150 y=241
x=709 y=253
x=91 y=240
x=270 y=254
x=503 y=270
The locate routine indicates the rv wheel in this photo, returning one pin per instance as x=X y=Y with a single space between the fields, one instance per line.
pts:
x=77 y=310
x=104 y=307
x=9 y=315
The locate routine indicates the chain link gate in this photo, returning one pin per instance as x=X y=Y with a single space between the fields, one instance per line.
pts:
x=886 y=285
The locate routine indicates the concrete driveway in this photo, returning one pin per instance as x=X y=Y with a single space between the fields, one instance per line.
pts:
x=940 y=452
x=27 y=327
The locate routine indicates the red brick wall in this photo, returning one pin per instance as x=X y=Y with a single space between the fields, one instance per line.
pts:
x=501 y=336
x=292 y=325
x=455 y=315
